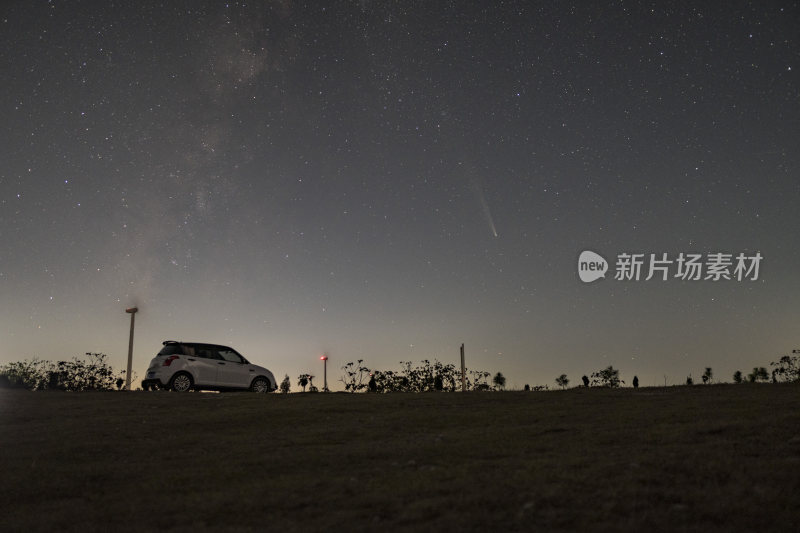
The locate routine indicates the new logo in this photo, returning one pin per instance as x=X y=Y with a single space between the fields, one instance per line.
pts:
x=591 y=266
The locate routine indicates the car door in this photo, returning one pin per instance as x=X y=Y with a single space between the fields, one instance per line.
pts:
x=203 y=363
x=235 y=372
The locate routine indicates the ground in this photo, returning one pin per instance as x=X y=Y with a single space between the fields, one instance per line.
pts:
x=717 y=457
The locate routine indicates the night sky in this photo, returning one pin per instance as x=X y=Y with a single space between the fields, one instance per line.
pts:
x=387 y=180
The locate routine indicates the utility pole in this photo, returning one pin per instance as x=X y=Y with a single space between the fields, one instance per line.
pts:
x=463 y=371
x=325 y=373
x=132 y=311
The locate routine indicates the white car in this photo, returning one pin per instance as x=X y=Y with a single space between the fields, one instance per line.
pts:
x=183 y=366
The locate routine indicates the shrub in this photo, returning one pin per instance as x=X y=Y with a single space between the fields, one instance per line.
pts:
x=787 y=368
x=479 y=381
x=92 y=373
x=424 y=377
x=33 y=374
x=759 y=374
x=354 y=376
x=608 y=377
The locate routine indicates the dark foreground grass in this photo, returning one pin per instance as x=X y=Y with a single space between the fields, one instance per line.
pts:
x=700 y=458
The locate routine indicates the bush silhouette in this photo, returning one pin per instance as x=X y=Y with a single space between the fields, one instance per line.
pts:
x=608 y=377
x=92 y=373
x=787 y=368
x=759 y=374
x=423 y=377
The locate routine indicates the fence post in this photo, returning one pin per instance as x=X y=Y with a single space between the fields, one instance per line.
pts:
x=463 y=371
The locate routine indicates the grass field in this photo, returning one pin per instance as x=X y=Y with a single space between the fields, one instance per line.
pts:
x=720 y=458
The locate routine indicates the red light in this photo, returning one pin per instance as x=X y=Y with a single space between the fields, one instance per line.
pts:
x=324 y=358
x=168 y=360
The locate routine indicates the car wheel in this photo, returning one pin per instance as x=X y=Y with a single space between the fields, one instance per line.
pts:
x=181 y=382
x=260 y=385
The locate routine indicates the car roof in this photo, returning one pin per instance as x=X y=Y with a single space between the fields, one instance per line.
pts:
x=168 y=343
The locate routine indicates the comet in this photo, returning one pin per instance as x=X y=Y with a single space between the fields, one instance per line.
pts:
x=476 y=187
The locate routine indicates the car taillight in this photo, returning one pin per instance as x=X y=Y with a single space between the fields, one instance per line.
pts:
x=168 y=361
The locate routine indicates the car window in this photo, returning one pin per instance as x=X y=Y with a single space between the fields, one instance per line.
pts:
x=171 y=349
x=207 y=352
x=230 y=355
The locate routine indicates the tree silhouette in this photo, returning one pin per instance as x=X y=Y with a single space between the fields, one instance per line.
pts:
x=635 y=382
x=285 y=385
x=758 y=374
x=608 y=377
x=689 y=380
x=737 y=376
x=707 y=375
x=499 y=380
x=562 y=381
x=787 y=368
x=585 y=381
x=303 y=381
